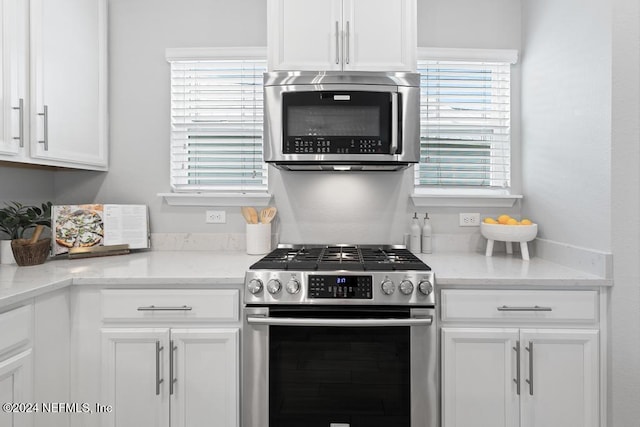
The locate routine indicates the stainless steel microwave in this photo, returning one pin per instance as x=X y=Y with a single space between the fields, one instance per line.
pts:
x=341 y=121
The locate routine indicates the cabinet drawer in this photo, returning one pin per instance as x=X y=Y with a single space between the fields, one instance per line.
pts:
x=16 y=328
x=494 y=305
x=217 y=305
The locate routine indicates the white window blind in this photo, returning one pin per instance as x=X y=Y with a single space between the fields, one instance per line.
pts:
x=216 y=125
x=465 y=125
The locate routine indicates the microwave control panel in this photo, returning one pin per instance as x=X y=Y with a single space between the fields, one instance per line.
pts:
x=336 y=145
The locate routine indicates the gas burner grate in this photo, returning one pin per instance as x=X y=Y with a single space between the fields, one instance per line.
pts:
x=350 y=258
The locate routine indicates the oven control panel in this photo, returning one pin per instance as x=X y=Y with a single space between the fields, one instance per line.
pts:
x=410 y=288
x=340 y=286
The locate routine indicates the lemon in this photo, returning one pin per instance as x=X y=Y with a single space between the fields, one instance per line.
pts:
x=489 y=220
x=503 y=219
x=512 y=221
x=526 y=222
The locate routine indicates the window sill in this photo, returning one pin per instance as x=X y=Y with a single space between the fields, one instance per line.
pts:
x=464 y=198
x=216 y=199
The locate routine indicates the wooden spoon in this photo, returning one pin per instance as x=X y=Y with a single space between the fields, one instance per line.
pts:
x=253 y=213
x=246 y=214
x=267 y=214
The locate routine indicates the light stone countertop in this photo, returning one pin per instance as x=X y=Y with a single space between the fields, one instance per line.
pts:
x=204 y=268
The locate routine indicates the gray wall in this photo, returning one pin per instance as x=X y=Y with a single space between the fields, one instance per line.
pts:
x=25 y=185
x=625 y=208
x=313 y=207
x=566 y=120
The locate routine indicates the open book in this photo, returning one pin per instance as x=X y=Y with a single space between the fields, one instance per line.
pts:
x=94 y=225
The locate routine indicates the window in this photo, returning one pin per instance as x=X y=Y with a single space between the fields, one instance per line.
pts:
x=216 y=120
x=465 y=139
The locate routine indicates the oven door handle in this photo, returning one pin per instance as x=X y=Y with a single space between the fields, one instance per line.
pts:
x=289 y=321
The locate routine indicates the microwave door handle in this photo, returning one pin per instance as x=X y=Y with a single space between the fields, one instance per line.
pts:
x=394 y=124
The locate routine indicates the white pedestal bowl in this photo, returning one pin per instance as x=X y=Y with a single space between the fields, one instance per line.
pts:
x=508 y=234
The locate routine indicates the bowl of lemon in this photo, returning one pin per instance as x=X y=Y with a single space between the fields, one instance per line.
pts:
x=508 y=230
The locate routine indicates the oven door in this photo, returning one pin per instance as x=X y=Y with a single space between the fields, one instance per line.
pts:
x=339 y=367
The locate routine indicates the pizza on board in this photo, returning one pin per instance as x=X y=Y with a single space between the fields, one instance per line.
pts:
x=79 y=228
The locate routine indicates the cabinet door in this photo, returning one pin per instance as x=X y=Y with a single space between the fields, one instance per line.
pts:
x=562 y=378
x=380 y=35
x=479 y=367
x=305 y=35
x=15 y=386
x=205 y=376
x=13 y=77
x=134 y=379
x=68 y=82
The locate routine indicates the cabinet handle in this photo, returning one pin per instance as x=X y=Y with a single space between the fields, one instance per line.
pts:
x=517 y=378
x=534 y=308
x=154 y=308
x=347 y=43
x=159 y=380
x=45 y=115
x=337 y=42
x=172 y=380
x=20 y=109
x=530 y=380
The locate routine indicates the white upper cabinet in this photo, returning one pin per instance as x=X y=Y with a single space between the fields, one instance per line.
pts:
x=336 y=35
x=69 y=83
x=13 y=77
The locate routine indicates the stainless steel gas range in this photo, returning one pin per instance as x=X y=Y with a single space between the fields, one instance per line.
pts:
x=340 y=336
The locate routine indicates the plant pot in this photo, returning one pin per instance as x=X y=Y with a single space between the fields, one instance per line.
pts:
x=6 y=253
x=31 y=253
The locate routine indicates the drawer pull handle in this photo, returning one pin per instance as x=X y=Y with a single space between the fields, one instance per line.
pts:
x=154 y=308
x=534 y=308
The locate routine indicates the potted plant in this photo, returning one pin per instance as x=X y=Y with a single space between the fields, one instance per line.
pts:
x=15 y=220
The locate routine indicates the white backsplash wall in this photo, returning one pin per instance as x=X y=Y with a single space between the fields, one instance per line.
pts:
x=332 y=207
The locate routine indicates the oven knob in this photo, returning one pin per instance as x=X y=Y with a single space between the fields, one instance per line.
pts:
x=406 y=287
x=293 y=286
x=274 y=286
x=425 y=287
x=388 y=287
x=255 y=286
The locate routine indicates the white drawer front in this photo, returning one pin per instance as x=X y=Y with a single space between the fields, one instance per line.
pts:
x=217 y=305
x=15 y=328
x=513 y=305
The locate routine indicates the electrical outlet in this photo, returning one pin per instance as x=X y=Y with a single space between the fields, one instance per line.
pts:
x=469 y=220
x=216 y=217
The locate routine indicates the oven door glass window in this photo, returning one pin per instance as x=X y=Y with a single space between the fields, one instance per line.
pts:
x=323 y=376
x=337 y=122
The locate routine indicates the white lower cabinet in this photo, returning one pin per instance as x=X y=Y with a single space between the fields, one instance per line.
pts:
x=562 y=378
x=171 y=377
x=506 y=377
x=521 y=358
x=478 y=367
x=16 y=367
x=16 y=387
x=169 y=360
